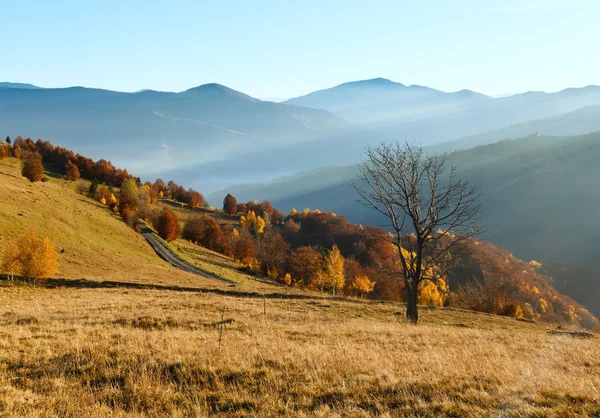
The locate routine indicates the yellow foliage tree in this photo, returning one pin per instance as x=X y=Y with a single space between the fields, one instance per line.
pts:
x=529 y=313
x=334 y=270
x=254 y=224
x=287 y=279
x=543 y=305
x=519 y=312
x=433 y=290
x=31 y=257
x=362 y=285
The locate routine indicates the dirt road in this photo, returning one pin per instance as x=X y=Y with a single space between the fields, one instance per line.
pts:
x=165 y=253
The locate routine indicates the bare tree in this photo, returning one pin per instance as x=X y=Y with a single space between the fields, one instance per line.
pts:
x=419 y=195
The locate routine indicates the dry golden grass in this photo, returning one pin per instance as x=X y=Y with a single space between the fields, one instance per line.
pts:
x=123 y=352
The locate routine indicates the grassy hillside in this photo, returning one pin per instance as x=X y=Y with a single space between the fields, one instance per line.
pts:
x=93 y=243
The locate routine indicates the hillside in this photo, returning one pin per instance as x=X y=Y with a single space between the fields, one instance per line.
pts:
x=539 y=201
x=432 y=117
x=206 y=136
x=93 y=243
x=579 y=122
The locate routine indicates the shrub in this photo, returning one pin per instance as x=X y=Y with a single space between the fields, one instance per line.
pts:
x=31 y=257
x=32 y=167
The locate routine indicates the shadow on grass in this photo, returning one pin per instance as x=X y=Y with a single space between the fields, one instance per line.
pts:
x=56 y=283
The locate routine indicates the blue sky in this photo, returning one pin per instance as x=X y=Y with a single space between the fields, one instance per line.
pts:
x=288 y=48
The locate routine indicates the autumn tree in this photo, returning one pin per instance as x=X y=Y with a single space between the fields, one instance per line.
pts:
x=32 y=167
x=333 y=272
x=230 y=205
x=196 y=200
x=272 y=253
x=128 y=202
x=418 y=194
x=304 y=266
x=3 y=152
x=244 y=248
x=204 y=230
x=32 y=257
x=253 y=224
x=167 y=225
x=361 y=285
x=72 y=172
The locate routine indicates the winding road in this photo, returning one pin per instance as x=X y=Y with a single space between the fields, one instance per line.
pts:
x=166 y=254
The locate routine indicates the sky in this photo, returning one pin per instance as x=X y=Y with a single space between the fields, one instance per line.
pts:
x=281 y=49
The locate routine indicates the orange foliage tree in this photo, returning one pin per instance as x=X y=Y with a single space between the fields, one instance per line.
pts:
x=244 y=248
x=204 y=230
x=230 y=205
x=167 y=225
x=196 y=200
x=32 y=167
x=72 y=172
x=304 y=266
x=272 y=253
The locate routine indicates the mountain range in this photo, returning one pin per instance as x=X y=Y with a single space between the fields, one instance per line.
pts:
x=212 y=136
x=206 y=136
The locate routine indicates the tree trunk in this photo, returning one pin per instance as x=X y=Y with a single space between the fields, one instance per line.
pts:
x=412 y=313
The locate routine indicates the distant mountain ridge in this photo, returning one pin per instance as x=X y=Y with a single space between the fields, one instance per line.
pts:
x=202 y=136
x=431 y=117
x=17 y=86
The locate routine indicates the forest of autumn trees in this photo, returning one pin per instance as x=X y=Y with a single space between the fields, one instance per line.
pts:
x=315 y=250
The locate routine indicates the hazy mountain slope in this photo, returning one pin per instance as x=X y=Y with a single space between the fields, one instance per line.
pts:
x=153 y=133
x=579 y=122
x=539 y=195
x=17 y=85
x=429 y=116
